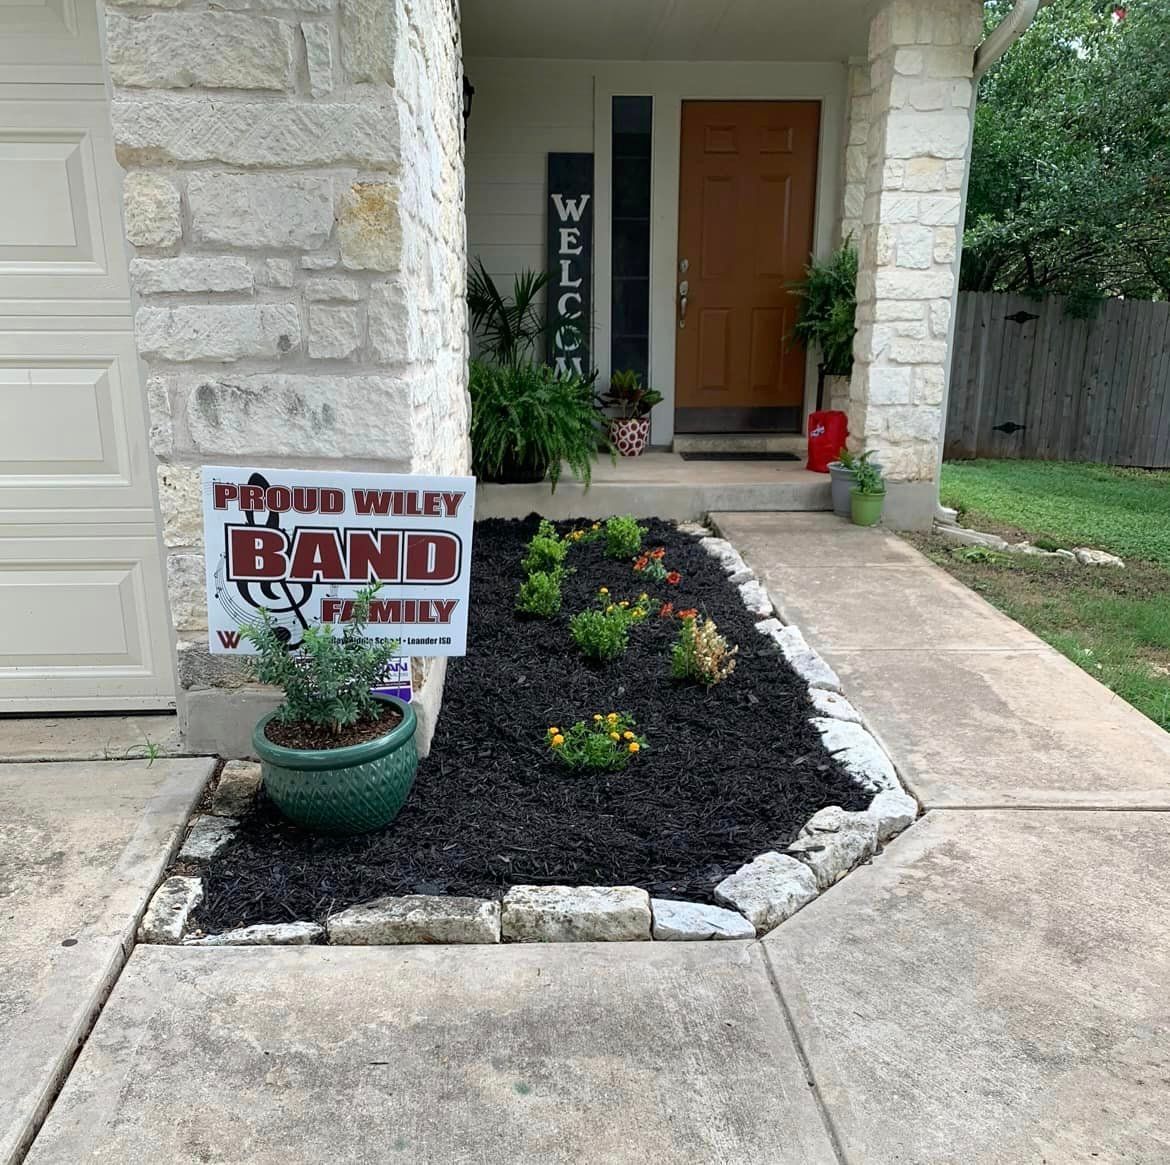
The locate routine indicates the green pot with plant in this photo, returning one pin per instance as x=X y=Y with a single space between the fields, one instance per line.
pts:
x=629 y=429
x=827 y=312
x=868 y=494
x=842 y=474
x=335 y=757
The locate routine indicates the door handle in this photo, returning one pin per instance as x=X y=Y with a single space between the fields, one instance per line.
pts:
x=683 y=291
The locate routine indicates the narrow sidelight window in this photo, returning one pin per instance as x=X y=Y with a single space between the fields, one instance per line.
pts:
x=630 y=322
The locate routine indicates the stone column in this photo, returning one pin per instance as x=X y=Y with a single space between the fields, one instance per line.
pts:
x=856 y=152
x=921 y=55
x=294 y=204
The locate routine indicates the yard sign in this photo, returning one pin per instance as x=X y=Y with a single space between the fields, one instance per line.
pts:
x=570 y=260
x=300 y=545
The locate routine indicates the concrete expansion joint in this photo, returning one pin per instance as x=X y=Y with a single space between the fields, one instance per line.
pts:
x=761 y=894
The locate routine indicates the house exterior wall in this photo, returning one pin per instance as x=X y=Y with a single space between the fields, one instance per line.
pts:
x=525 y=108
x=293 y=201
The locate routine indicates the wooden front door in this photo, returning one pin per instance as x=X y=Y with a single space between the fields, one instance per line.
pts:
x=747 y=194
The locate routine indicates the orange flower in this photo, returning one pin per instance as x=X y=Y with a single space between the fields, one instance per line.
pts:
x=634 y=746
x=558 y=740
x=641 y=562
x=689 y=613
x=674 y=578
x=665 y=611
x=659 y=553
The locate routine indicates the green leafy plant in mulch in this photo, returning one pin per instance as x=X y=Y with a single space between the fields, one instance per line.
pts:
x=546 y=551
x=700 y=654
x=327 y=681
x=623 y=536
x=540 y=593
x=607 y=743
x=603 y=633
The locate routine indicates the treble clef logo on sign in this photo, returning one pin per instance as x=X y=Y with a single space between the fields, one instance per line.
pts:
x=282 y=600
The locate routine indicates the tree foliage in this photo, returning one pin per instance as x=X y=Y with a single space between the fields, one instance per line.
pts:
x=1070 y=177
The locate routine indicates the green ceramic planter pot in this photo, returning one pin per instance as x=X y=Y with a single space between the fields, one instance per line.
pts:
x=342 y=790
x=866 y=508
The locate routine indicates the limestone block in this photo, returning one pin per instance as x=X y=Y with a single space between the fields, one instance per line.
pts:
x=162 y=430
x=277 y=273
x=858 y=752
x=198 y=668
x=320 y=415
x=566 y=914
x=369 y=227
x=187 y=591
x=261 y=210
x=235 y=795
x=150 y=206
x=911 y=134
x=369 y=35
x=833 y=704
x=416 y=918
x=218 y=332
x=334 y=332
x=696 y=922
x=212 y=50
x=804 y=661
x=166 y=915
x=319 y=57
x=332 y=287
x=755 y=598
x=1087 y=556
x=274 y=934
x=181 y=500
x=891 y=811
x=190 y=273
x=279 y=134
x=833 y=842
x=769 y=889
x=209 y=835
x=395 y=324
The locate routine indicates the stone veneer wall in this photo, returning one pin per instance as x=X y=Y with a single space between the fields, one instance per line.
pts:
x=921 y=56
x=294 y=200
x=856 y=151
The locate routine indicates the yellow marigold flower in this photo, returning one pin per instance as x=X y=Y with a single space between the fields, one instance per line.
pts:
x=614 y=736
x=553 y=730
x=628 y=735
x=634 y=746
x=624 y=603
x=603 y=590
x=612 y=717
x=596 y=525
x=558 y=740
x=597 y=716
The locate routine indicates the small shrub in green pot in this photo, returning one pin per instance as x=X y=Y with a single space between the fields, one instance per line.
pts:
x=335 y=758
x=868 y=494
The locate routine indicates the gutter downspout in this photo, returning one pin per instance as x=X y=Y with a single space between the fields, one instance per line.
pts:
x=998 y=41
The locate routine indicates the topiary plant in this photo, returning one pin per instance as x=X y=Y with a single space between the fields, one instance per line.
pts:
x=327 y=681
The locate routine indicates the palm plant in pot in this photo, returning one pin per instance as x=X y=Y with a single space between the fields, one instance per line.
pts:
x=868 y=494
x=630 y=428
x=826 y=316
x=335 y=757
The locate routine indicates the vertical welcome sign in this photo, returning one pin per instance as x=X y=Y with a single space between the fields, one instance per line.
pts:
x=570 y=261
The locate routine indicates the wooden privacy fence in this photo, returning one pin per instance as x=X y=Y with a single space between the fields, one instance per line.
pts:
x=1030 y=381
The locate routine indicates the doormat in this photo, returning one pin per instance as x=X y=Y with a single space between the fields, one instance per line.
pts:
x=704 y=456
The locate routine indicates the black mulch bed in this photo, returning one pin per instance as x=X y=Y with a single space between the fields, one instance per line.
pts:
x=728 y=774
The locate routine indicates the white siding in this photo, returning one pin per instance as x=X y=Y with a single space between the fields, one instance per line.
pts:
x=522 y=111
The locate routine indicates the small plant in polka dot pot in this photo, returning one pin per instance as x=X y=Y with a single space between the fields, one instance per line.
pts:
x=629 y=429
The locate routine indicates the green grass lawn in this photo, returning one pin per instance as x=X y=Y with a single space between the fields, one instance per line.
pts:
x=1115 y=623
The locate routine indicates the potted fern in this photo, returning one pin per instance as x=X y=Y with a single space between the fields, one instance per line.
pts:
x=335 y=758
x=630 y=429
x=826 y=316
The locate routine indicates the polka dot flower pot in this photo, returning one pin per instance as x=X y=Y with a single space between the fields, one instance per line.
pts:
x=630 y=437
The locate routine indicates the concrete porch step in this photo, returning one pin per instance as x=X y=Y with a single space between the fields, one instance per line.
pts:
x=663 y=485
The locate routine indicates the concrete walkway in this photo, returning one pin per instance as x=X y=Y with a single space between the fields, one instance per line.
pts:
x=82 y=847
x=994 y=988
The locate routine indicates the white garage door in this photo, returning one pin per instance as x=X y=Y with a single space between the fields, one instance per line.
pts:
x=83 y=623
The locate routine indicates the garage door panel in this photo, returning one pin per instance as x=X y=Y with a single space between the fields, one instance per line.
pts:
x=60 y=234
x=43 y=40
x=72 y=423
x=80 y=612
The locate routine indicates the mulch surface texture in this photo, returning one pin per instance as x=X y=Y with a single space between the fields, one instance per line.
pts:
x=300 y=734
x=728 y=773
